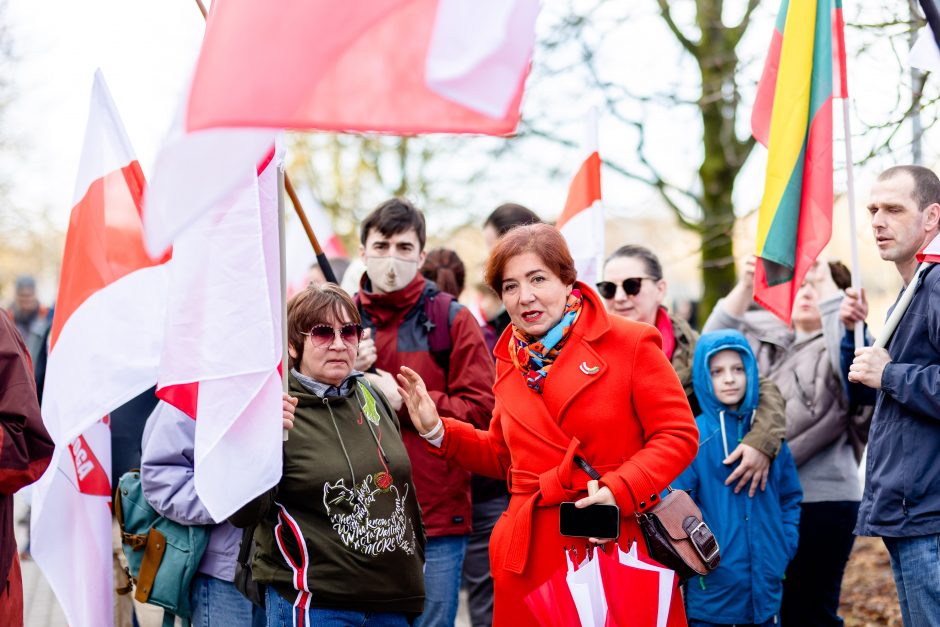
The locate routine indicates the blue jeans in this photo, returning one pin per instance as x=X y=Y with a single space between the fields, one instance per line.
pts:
x=916 y=565
x=698 y=623
x=218 y=603
x=281 y=613
x=443 y=564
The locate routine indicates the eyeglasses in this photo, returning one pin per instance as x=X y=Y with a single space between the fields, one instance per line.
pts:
x=631 y=286
x=324 y=334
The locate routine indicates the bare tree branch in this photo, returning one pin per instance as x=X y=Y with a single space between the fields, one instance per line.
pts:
x=666 y=12
x=738 y=31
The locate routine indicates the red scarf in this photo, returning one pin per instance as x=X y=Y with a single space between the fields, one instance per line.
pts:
x=664 y=325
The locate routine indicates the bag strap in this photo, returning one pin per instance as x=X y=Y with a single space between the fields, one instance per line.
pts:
x=153 y=555
x=244 y=549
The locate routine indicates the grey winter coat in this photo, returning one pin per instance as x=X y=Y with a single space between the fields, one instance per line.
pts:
x=825 y=437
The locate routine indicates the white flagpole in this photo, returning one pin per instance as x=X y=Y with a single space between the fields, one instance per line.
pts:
x=282 y=249
x=898 y=312
x=599 y=233
x=853 y=223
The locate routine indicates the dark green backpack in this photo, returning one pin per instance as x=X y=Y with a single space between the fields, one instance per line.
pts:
x=162 y=555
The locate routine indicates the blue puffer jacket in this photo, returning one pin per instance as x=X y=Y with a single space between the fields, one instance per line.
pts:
x=758 y=536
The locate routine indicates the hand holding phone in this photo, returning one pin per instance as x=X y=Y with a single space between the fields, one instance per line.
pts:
x=598 y=521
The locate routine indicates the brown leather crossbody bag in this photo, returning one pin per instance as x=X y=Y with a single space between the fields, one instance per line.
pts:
x=678 y=538
x=675 y=534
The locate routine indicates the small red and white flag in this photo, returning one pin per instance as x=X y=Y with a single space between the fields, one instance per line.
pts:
x=105 y=347
x=930 y=252
x=394 y=66
x=300 y=255
x=582 y=221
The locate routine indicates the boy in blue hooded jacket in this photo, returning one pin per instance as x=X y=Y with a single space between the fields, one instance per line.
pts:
x=757 y=535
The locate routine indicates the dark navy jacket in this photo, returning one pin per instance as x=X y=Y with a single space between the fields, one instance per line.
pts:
x=758 y=536
x=902 y=475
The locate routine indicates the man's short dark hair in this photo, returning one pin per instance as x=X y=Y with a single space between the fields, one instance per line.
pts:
x=510 y=215
x=926 y=184
x=392 y=217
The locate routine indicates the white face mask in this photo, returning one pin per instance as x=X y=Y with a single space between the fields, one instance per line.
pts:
x=390 y=274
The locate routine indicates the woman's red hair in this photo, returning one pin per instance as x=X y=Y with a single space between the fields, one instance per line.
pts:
x=543 y=240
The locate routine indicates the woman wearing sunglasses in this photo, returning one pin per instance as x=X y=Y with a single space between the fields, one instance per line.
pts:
x=570 y=381
x=339 y=540
x=633 y=287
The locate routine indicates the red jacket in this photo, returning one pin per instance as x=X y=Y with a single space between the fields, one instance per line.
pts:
x=629 y=418
x=25 y=451
x=464 y=392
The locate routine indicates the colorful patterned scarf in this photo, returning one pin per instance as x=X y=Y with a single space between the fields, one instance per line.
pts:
x=532 y=356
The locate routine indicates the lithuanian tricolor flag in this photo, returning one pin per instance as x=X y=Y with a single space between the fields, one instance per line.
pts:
x=793 y=117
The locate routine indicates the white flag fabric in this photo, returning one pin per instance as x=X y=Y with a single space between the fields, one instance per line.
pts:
x=223 y=346
x=104 y=350
x=194 y=173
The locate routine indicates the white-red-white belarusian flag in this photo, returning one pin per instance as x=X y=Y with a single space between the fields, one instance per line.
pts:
x=223 y=342
x=395 y=66
x=105 y=347
x=582 y=221
x=931 y=252
x=300 y=255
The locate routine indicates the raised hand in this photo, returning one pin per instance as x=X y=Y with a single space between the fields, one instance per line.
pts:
x=366 y=356
x=854 y=308
x=415 y=396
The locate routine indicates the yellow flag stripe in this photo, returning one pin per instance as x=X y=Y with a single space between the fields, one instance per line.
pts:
x=790 y=118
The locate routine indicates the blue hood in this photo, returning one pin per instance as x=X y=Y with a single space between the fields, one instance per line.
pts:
x=709 y=344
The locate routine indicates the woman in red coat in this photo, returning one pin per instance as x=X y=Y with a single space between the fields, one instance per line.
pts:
x=570 y=381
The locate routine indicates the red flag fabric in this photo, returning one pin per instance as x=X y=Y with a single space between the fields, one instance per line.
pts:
x=552 y=603
x=395 y=66
x=582 y=221
x=930 y=252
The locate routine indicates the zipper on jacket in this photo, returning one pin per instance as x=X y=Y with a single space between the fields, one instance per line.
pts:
x=904 y=505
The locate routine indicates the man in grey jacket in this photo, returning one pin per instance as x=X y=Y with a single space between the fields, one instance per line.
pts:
x=167 y=478
x=901 y=501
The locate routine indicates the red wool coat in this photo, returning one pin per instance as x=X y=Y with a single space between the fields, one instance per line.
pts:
x=611 y=397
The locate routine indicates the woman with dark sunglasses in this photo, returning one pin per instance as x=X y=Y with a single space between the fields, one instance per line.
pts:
x=339 y=540
x=633 y=287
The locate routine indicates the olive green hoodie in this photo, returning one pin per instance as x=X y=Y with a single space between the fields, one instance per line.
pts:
x=347 y=492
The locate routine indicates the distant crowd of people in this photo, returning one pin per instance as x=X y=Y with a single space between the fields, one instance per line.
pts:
x=431 y=443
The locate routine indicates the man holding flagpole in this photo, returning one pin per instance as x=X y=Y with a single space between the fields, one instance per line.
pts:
x=901 y=501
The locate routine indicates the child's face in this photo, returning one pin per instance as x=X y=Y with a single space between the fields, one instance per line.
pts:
x=728 y=378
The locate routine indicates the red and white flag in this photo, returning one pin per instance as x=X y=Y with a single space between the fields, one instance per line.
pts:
x=105 y=347
x=931 y=252
x=300 y=255
x=582 y=221
x=395 y=66
x=223 y=342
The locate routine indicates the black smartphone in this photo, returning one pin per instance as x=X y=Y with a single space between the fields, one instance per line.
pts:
x=593 y=521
